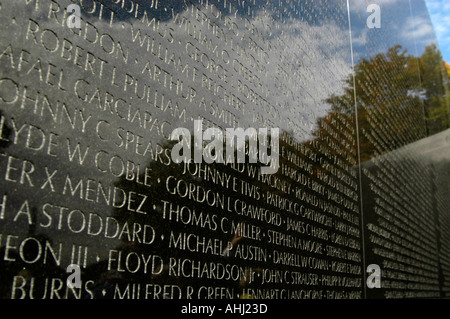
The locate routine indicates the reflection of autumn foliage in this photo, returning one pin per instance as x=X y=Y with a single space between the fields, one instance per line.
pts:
x=435 y=81
x=399 y=98
x=447 y=68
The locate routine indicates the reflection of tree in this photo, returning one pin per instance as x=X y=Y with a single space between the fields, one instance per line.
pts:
x=436 y=85
x=396 y=93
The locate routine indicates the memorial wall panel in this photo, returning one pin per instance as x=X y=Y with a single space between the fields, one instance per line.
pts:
x=216 y=149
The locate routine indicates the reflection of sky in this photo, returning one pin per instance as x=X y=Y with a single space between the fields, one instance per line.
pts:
x=440 y=17
x=402 y=22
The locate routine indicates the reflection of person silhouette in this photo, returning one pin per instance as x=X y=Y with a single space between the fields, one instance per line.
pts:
x=246 y=279
x=237 y=237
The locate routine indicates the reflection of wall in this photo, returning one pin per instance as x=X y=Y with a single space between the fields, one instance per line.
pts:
x=405 y=218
